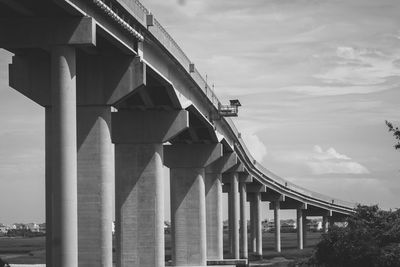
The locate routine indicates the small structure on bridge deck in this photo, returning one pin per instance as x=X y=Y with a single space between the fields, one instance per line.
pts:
x=230 y=110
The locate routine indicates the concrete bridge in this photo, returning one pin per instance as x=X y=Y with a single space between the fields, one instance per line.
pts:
x=122 y=100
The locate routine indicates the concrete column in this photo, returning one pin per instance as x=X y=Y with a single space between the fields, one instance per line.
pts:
x=304 y=230
x=64 y=157
x=243 y=221
x=300 y=228
x=331 y=221
x=214 y=222
x=325 y=225
x=188 y=216
x=139 y=207
x=95 y=186
x=277 y=220
x=188 y=213
x=234 y=217
x=257 y=219
x=139 y=203
x=230 y=223
x=49 y=187
x=253 y=245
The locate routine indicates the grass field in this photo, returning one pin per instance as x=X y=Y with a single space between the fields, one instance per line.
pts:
x=32 y=250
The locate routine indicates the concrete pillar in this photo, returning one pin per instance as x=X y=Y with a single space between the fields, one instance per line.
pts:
x=300 y=228
x=257 y=219
x=253 y=245
x=64 y=157
x=243 y=222
x=304 y=230
x=331 y=221
x=139 y=207
x=139 y=203
x=325 y=225
x=230 y=224
x=234 y=216
x=277 y=221
x=188 y=212
x=49 y=187
x=95 y=186
x=214 y=222
x=188 y=216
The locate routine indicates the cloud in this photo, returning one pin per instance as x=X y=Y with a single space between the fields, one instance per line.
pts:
x=360 y=66
x=253 y=143
x=337 y=90
x=323 y=162
x=326 y=167
x=331 y=153
x=256 y=146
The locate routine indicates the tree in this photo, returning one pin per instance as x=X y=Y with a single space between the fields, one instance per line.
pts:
x=396 y=133
x=370 y=239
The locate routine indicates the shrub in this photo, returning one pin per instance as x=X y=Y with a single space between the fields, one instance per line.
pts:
x=370 y=239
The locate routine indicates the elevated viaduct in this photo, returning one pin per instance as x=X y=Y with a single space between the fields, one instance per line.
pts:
x=122 y=100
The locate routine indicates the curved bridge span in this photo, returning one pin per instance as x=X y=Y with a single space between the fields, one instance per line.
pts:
x=123 y=100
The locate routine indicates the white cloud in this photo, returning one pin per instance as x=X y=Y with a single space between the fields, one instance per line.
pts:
x=249 y=135
x=360 y=66
x=329 y=154
x=256 y=147
x=315 y=90
x=324 y=162
x=328 y=167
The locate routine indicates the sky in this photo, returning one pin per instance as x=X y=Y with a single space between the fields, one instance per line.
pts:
x=317 y=80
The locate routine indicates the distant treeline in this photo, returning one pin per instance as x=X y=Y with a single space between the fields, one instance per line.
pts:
x=23 y=233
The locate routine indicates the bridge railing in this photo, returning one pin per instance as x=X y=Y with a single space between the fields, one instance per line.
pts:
x=140 y=12
x=158 y=31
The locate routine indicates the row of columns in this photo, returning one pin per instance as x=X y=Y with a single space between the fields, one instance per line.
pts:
x=80 y=173
x=256 y=225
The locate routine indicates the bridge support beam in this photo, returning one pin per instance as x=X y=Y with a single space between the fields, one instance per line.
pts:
x=214 y=221
x=139 y=204
x=304 y=230
x=252 y=244
x=325 y=224
x=233 y=198
x=188 y=212
x=300 y=241
x=49 y=187
x=243 y=222
x=257 y=219
x=331 y=221
x=95 y=186
x=277 y=220
x=64 y=157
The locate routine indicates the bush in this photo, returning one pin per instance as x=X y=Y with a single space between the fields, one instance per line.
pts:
x=370 y=239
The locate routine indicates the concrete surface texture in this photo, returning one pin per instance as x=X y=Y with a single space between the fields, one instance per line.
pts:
x=95 y=185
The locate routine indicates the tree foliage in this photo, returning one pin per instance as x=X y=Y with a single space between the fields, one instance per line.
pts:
x=396 y=133
x=370 y=239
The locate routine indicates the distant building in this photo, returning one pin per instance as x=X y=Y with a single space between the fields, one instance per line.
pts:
x=314 y=225
x=3 y=229
x=33 y=227
x=18 y=226
x=288 y=225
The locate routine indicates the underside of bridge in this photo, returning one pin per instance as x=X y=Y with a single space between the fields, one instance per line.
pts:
x=122 y=101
